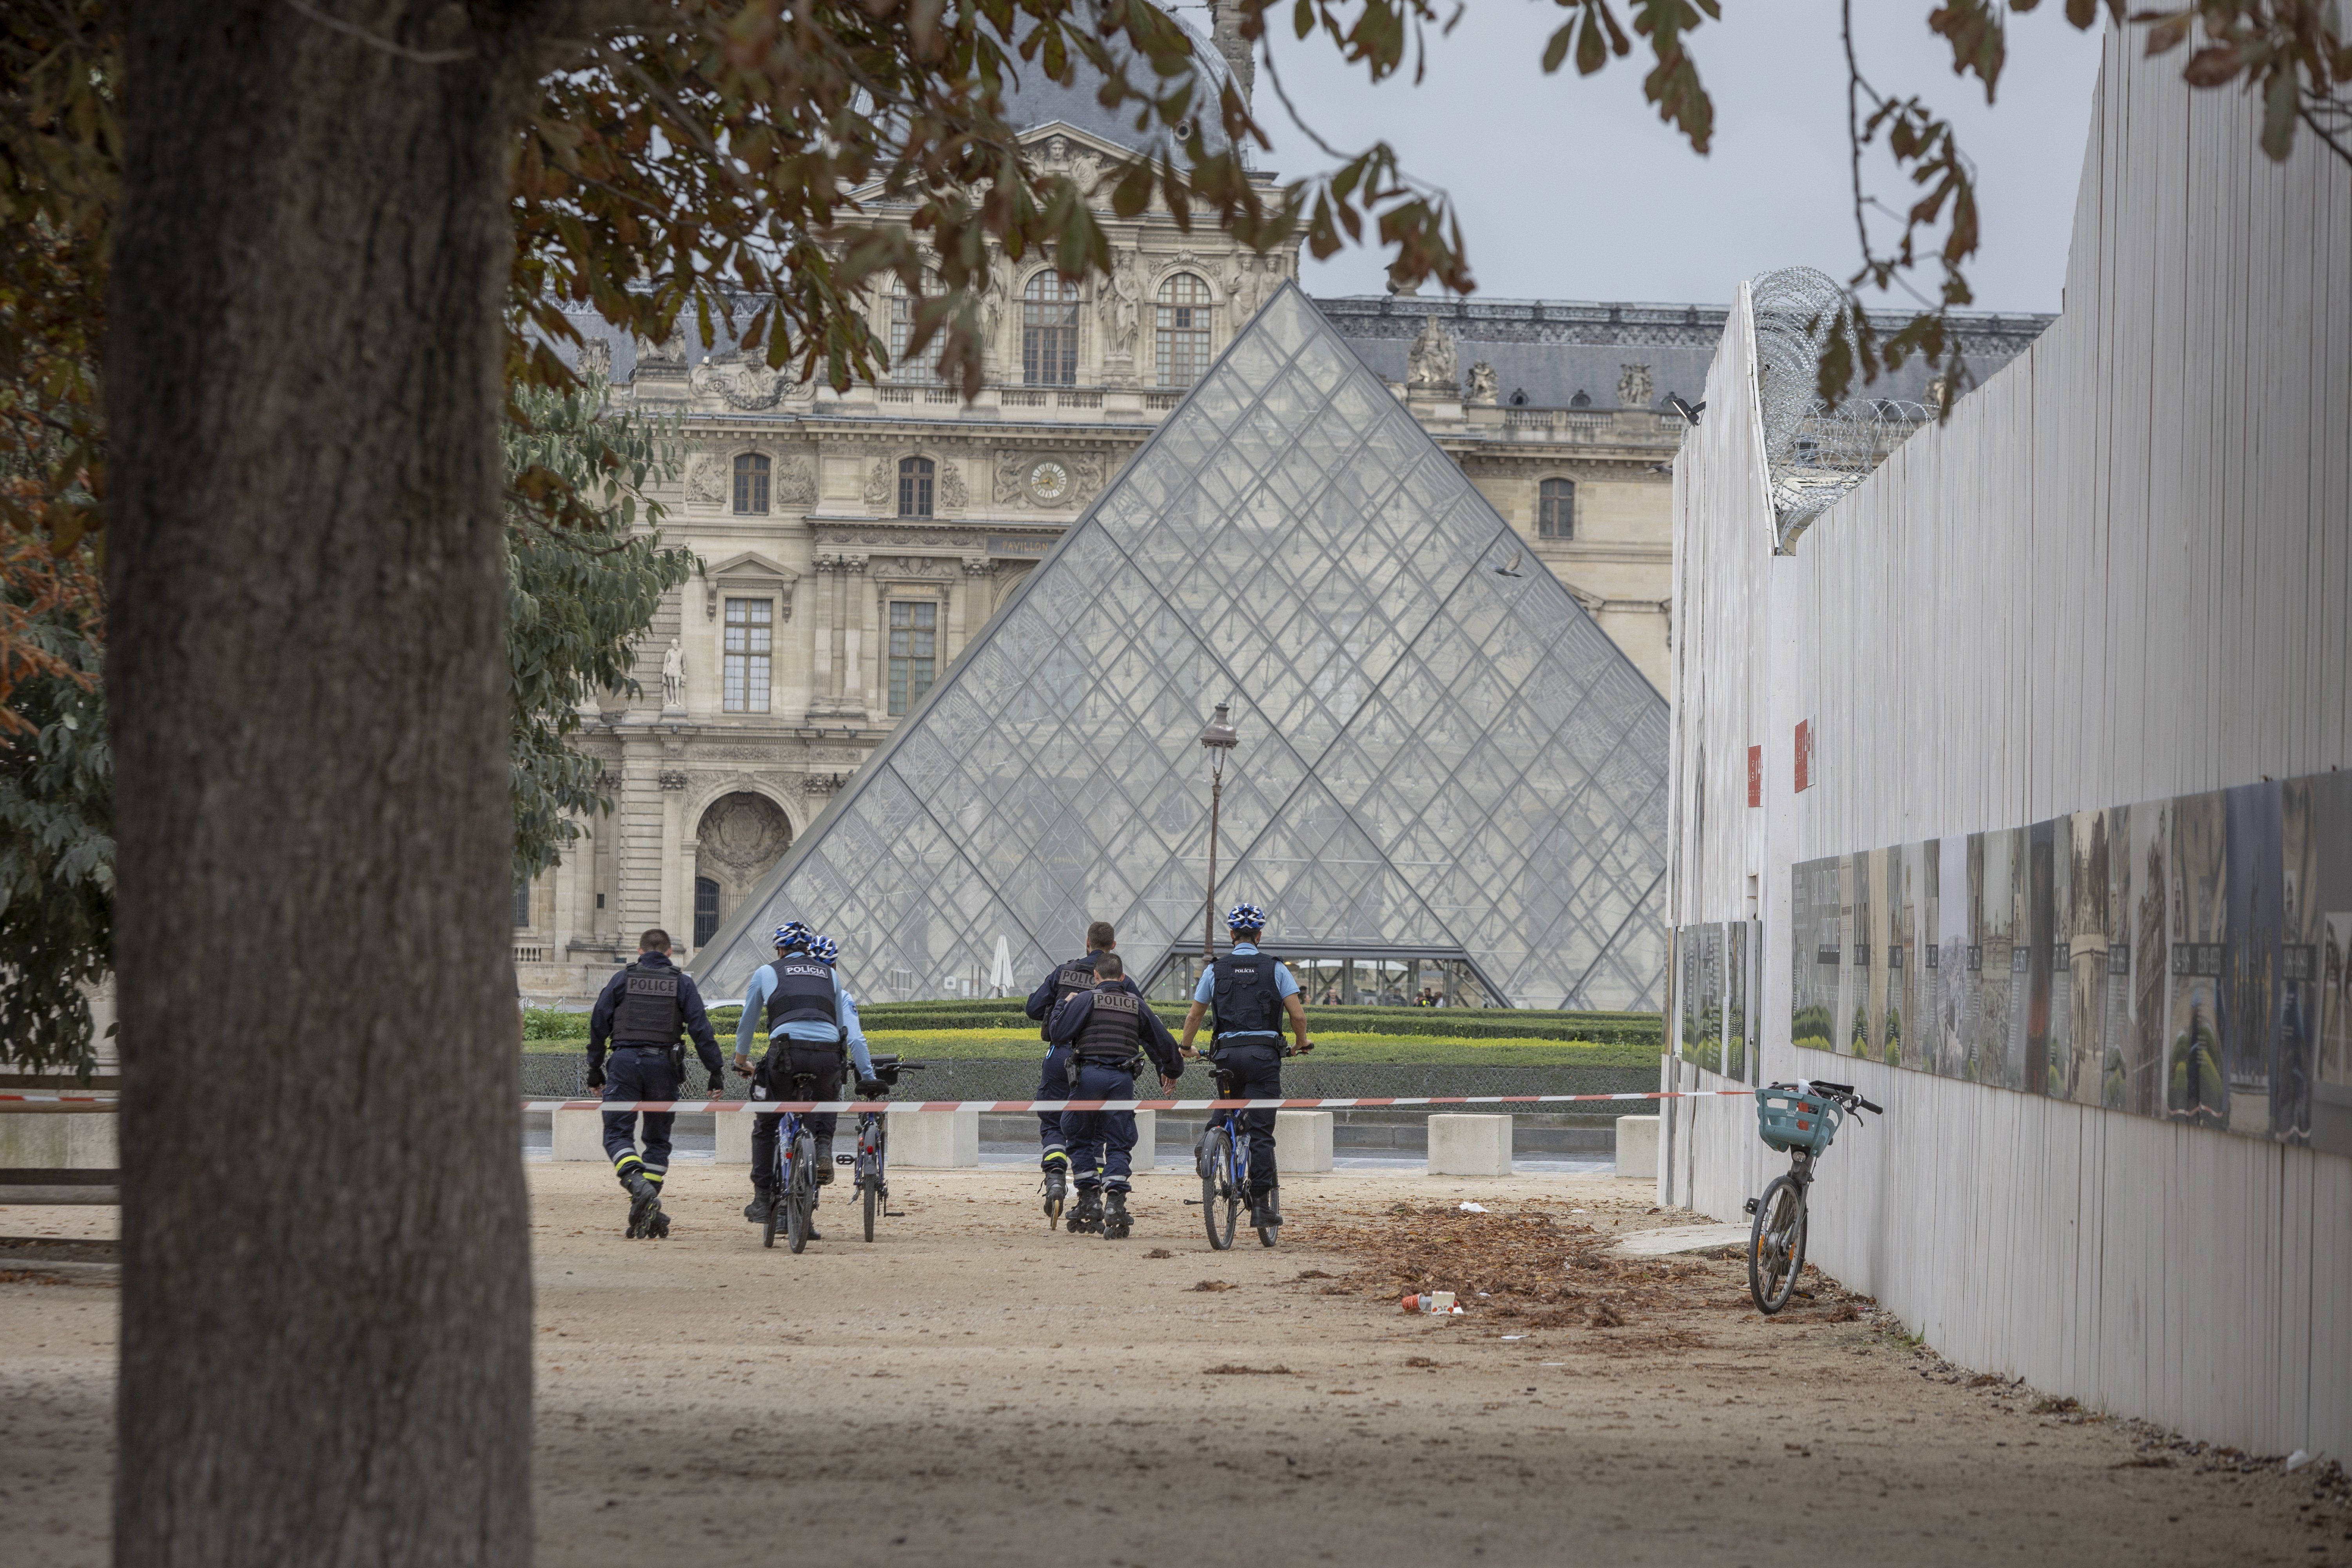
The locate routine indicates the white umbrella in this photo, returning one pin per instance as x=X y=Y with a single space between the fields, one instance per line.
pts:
x=1000 y=973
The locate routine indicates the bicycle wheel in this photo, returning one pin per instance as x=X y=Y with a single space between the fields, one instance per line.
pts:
x=1216 y=1187
x=801 y=1194
x=1268 y=1235
x=1775 y=1245
x=873 y=1186
x=777 y=1175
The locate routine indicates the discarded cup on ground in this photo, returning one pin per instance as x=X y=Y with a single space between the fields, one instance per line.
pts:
x=1437 y=1301
x=1468 y=1207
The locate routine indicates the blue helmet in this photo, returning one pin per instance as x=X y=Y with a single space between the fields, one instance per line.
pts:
x=1244 y=917
x=825 y=950
x=793 y=933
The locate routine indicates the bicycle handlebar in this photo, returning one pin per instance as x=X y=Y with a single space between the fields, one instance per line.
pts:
x=1844 y=1093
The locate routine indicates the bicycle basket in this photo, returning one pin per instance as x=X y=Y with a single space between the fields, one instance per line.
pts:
x=1787 y=1120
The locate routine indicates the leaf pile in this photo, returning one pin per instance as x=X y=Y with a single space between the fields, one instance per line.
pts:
x=1532 y=1265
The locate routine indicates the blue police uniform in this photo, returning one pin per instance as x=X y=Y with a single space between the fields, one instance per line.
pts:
x=1246 y=989
x=1066 y=980
x=642 y=1012
x=1108 y=1031
x=809 y=1018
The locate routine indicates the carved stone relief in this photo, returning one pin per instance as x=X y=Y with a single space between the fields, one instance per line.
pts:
x=1085 y=476
x=877 y=483
x=952 y=488
x=1483 y=388
x=1012 y=487
x=795 y=482
x=1635 y=386
x=705 y=479
x=741 y=381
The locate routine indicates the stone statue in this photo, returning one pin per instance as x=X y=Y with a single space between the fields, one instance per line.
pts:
x=1483 y=389
x=1120 y=302
x=1241 y=289
x=674 y=677
x=669 y=356
x=1634 y=387
x=1432 y=360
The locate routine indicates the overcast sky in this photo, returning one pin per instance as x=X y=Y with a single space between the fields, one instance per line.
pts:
x=1569 y=188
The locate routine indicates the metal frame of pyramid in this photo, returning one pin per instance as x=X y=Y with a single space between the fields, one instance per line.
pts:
x=1437 y=757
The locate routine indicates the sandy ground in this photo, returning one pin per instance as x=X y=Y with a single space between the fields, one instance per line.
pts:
x=973 y=1388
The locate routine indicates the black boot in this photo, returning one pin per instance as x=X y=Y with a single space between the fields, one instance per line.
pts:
x=1265 y=1208
x=1054 y=1186
x=1115 y=1221
x=1087 y=1216
x=645 y=1202
x=762 y=1204
x=825 y=1161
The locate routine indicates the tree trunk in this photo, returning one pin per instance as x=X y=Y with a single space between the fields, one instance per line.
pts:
x=326 y=1292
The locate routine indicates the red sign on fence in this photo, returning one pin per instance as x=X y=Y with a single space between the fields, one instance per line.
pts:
x=1755 y=775
x=1804 y=754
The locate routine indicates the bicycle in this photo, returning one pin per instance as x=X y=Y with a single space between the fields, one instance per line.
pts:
x=1799 y=1119
x=795 y=1173
x=872 y=1159
x=1225 y=1167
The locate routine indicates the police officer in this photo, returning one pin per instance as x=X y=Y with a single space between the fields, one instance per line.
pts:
x=1252 y=992
x=1066 y=980
x=1109 y=1030
x=798 y=1003
x=642 y=1011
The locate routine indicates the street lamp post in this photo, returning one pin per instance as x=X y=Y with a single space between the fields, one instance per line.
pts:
x=1218 y=738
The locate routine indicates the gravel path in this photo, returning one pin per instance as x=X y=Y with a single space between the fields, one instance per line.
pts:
x=973 y=1388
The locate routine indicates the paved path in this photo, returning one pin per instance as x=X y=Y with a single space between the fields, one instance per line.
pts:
x=974 y=1389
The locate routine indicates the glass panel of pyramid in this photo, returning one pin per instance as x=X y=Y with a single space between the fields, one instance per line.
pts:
x=1441 y=754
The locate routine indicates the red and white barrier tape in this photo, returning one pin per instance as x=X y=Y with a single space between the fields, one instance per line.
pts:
x=1010 y=1107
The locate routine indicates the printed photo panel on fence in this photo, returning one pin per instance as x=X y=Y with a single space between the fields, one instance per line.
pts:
x=2190 y=958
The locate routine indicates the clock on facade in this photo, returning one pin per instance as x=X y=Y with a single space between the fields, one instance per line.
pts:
x=1049 y=483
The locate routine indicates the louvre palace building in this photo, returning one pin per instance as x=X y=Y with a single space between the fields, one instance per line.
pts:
x=855 y=546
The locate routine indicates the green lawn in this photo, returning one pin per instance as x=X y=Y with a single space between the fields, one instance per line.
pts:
x=1022 y=1044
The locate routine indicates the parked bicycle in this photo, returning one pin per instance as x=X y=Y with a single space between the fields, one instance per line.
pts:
x=1224 y=1168
x=1799 y=1119
x=873 y=1157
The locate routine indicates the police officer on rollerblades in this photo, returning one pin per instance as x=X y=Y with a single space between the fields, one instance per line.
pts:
x=1066 y=980
x=1109 y=1030
x=799 y=1004
x=642 y=1012
x=1252 y=992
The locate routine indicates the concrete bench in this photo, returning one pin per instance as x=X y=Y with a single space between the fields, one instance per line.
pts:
x=1469 y=1145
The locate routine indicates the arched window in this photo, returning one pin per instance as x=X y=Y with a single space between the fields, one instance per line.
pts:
x=1556 y=509
x=902 y=330
x=706 y=910
x=914 y=487
x=750 y=483
x=1183 y=341
x=1049 y=331
x=522 y=902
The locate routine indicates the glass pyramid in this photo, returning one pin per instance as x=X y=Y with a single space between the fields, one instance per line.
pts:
x=1441 y=754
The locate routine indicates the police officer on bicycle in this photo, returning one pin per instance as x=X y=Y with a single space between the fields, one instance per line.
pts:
x=1109 y=1030
x=799 y=1004
x=1252 y=991
x=642 y=1012
x=1066 y=980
